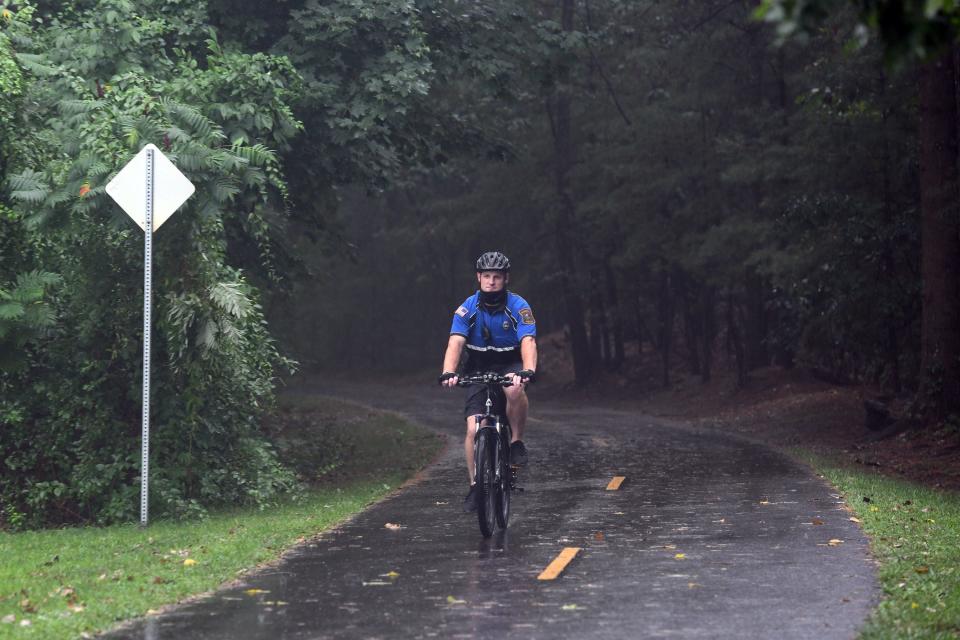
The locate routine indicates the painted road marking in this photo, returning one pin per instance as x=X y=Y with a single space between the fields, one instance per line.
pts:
x=615 y=483
x=559 y=563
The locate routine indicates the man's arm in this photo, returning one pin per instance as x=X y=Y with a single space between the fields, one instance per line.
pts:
x=528 y=352
x=452 y=357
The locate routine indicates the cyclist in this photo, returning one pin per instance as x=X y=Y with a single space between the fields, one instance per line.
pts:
x=499 y=331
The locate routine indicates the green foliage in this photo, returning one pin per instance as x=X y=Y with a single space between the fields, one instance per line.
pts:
x=724 y=189
x=908 y=29
x=266 y=112
x=25 y=314
x=115 y=78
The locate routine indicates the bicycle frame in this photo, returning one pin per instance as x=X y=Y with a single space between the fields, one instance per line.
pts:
x=500 y=425
x=492 y=456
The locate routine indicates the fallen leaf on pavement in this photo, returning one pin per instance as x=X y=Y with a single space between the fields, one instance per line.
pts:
x=392 y=526
x=764 y=502
x=835 y=542
x=693 y=585
x=254 y=592
x=392 y=574
x=571 y=607
x=598 y=536
x=817 y=521
x=857 y=520
x=680 y=556
x=452 y=600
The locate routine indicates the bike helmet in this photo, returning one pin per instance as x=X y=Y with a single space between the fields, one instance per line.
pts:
x=493 y=261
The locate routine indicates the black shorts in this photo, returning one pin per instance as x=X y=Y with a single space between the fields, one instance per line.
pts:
x=476 y=403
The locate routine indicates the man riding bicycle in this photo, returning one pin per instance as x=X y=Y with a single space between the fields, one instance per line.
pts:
x=498 y=329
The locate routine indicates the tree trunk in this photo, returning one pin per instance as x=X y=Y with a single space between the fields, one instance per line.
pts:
x=733 y=335
x=940 y=236
x=613 y=304
x=887 y=263
x=665 y=309
x=691 y=323
x=756 y=325
x=563 y=145
x=709 y=331
x=641 y=327
x=599 y=340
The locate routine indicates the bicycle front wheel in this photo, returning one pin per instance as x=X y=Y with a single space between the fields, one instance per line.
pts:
x=503 y=490
x=486 y=480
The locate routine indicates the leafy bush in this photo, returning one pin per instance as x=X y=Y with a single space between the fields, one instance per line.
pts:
x=70 y=412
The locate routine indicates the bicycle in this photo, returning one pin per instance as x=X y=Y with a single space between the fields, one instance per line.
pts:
x=496 y=478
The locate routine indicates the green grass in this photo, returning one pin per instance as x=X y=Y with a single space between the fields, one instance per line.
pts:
x=915 y=536
x=76 y=581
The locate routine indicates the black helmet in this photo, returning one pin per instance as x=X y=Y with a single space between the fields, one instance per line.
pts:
x=493 y=261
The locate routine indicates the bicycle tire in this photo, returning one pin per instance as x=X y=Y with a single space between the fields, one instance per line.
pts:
x=503 y=493
x=486 y=481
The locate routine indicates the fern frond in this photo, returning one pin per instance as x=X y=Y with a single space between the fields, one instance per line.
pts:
x=10 y=310
x=36 y=64
x=257 y=155
x=31 y=285
x=198 y=124
x=230 y=297
x=76 y=107
x=224 y=189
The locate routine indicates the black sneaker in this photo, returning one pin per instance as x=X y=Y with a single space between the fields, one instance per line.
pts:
x=470 y=502
x=518 y=453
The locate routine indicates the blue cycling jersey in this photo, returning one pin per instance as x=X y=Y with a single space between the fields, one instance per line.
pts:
x=494 y=331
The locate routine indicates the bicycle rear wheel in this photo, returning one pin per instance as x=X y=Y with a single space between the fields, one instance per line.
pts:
x=486 y=480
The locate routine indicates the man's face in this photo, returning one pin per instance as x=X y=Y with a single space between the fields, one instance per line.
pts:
x=492 y=281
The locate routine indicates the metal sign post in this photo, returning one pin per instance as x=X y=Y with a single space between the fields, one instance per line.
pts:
x=134 y=189
x=147 y=314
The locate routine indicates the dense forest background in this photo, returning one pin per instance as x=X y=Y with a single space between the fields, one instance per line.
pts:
x=711 y=183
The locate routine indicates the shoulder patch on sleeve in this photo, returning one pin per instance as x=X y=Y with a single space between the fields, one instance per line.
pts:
x=461 y=311
x=526 y=315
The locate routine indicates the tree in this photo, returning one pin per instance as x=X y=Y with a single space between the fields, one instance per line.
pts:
x=924 y=32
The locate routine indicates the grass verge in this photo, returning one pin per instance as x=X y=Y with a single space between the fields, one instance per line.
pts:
x=73 y=582
x=915 y=536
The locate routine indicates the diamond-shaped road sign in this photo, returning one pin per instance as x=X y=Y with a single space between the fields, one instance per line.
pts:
x=171 y=188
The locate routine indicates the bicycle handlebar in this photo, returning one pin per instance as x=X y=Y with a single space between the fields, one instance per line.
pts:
x=489 y=377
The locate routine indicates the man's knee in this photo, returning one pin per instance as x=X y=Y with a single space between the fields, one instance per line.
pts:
x=472 y=424
x=514 y=393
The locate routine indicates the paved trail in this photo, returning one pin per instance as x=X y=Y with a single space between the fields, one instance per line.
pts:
x=753 y=564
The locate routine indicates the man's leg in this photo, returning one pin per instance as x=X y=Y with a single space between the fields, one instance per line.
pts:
x=468 y=446
x=517 y=406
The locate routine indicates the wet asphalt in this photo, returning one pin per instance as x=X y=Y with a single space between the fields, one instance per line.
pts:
x=709 y=537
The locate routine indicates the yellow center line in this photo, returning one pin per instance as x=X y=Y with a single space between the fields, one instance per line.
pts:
x=615 y=483
x=559 y=563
